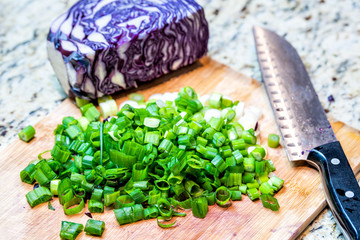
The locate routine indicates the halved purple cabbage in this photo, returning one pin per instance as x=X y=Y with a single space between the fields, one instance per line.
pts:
x=100 y=47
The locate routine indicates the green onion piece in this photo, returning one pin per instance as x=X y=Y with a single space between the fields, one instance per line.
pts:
x=238 y=144
x=253 y=194
x=179 y=214
x=129 y=214
x=95 y=206
x=140 y=172
x=270 y=202
x=199 y=207
x=137 y=97
x=27 y=133
x=151 y=122
x=258 y=153
x=215 y=100
x=276 y=182
x=76 y=178
x=248 y=177
x=162 y=225
x=228 y=114
x=152 y=137
x=110 y=198
x=124 y=201
x=273 y=140
x=91 y=113
x=260 y=167
x=219 y=139
x=60 y=154
x=70 y=210
x=70 y=230
x=234 y=179
x=210 y=197
x=248 y=137
x=192 y=188
x=162 y=185
x=266 y=188
x=216 y=123
x=50 y=206
x=226 y=102
x=94 y=227
x=27 y=175
x=108 y=108
x=97 y=195
x=165 y=146
x=243 y=188
x=219 y=163
x=175 y=180
x=235 y=195
x=154 y=196
x=142 y=185
x=38 y=195
x=54 y=184
x=138 y=196
x=73 y=131
x=81 y=101
x=201 y=141
x=249 y=164
x=269 y=165
x=151 y=212
x=165 y=208
x=223 y=196
x=255 y=184
x=65 y=191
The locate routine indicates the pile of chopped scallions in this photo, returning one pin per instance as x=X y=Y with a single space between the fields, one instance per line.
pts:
x=150 y=158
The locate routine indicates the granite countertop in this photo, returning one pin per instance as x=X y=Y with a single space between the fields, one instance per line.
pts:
x=326 y=34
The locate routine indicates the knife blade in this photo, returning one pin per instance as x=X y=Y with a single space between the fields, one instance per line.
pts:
x=304 y=127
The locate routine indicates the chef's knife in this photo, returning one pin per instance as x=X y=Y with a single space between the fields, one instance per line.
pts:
x=304 y=127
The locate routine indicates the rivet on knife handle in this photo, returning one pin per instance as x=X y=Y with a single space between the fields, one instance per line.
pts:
x=304 y=127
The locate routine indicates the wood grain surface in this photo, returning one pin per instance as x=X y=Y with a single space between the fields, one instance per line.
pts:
x=301 y=199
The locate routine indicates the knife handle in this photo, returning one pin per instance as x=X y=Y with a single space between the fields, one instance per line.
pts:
x=342 y=189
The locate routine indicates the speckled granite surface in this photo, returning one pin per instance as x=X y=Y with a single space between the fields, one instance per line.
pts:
x=326 y=33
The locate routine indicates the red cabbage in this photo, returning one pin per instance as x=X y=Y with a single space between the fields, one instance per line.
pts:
x=100 y=47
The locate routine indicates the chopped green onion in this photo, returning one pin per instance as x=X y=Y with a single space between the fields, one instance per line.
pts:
x=124 y=201
x=95 y=206
x=108 y=108
x=131 y=214
x=270 y=202
x=235 y=195
x=38 y=195
x=54 y=184
x=70 y=230
x=151 y=122
x=163 y=155
x=273 y=140
x=27 y=175
x=215 y=100
x=223 y=196
x=253 y=193
x=151 y=212
x=69 y=208
x=165 y=208
x=199 y=207
x=81 y=101
x=162 y=225
x=50 y=206
x=276 y=182
x=27 y=133
x=137 y=97
x=94 y=227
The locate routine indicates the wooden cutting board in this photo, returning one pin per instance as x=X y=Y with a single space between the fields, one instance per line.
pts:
x=301 y=199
